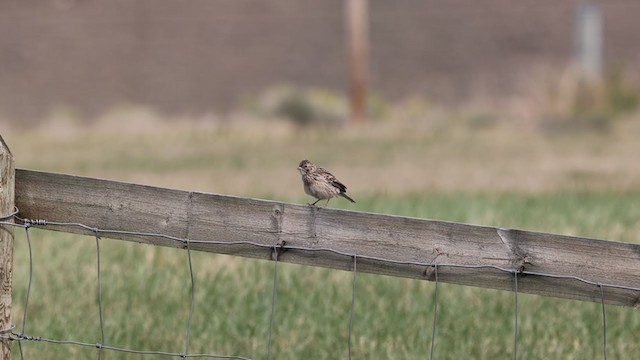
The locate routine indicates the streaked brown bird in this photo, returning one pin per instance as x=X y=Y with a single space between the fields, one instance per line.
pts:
x=320 y=183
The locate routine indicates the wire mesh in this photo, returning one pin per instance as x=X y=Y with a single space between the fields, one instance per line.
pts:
x=21 y=336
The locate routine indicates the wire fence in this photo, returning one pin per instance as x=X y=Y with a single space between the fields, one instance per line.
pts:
x=276 y=251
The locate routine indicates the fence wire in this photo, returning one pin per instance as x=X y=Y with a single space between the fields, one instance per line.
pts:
x=604 y=323
x=99 y=296
x=275 y=253
x=353 y=302
x=193 y=300
x=277 y=249
x=435 y=313
x=515 y=325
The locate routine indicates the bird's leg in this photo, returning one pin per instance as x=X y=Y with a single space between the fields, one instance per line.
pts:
x=314 y=204
x=327 y=203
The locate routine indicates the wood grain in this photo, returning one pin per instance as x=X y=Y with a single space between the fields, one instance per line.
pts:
x=7 y=177
x=201 y=216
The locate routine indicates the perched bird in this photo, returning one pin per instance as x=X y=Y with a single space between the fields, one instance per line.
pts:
x=320 y=183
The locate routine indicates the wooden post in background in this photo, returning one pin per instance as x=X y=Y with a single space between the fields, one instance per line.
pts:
x=589 y=40
x=7 y=182
x=358 y=43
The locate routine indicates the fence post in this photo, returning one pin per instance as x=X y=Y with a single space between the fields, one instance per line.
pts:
x=358 y=43
x=7 y=188
x=589 y=40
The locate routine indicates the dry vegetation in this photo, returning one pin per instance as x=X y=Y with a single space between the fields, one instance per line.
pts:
x=423 y=151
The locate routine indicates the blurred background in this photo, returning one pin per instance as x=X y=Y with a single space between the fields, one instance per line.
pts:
x=213 y=56
x=514 y=114
x=528 y=96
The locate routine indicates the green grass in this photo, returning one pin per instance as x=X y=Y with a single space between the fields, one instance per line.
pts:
x=146 y=294
x=425 y=162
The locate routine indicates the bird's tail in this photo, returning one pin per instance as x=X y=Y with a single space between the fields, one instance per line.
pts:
x=347 y=197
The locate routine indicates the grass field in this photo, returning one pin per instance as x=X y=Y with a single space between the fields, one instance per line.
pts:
x=585 y=184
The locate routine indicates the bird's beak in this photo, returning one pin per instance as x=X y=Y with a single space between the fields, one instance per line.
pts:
x=299 y=168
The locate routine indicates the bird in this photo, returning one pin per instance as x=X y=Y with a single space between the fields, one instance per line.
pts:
x=320 y=183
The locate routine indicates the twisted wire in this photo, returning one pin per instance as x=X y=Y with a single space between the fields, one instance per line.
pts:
x=100 y=297
x=273 y=300
x=193 y=298
x=435 y=314
x=353 y=303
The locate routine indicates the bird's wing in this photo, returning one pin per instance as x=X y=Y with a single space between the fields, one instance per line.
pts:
x=339 y=185
x=332 y=179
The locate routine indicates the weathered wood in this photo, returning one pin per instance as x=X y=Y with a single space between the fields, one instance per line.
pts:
x=7 y=177
x=201 y=216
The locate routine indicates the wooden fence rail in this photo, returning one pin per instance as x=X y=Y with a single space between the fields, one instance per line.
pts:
x=116 y=205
